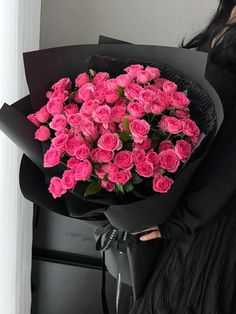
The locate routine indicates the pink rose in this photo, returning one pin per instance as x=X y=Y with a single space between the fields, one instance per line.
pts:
x=76 y=97
x=73 y=144
x=124 y=80
x=32 y=118
x=169 y=87
x=62 y=84
x=179 y=100
x=144 y=76
x=132 y=69
x=162 y=184
x=58 y=122
x=94 y=155
x=164 y=145
x=190 y=128
x=85 y=92
x=104 y=155
x=153 y=158
x=72 y=163
x=71 y=108
x=55 y=106
x=121 y=102
x=124 y=159
x=51 y=158
x=88 y=129
x=110 y=167
x=108 y=185
x=139 y=129
x=60 y=94
x=158 y=83
x=59 y=142
x=118 y=113
x=81 y=79
x=101 y=86
x=74 y=119
x=111 y=96
x=182 y=114
x=132 y=91
x=110 y=142
x=136 y=109
x=146 y=144
x=120 y=177
x=183 y=149
x=65 y=131
x=157 y=107
x=146 y=96
x=163 y=97
x=112 y=84
x=42 y=134
x=171 y=125
x=83 y=171
x=82 y=152
x=145 y=169
x=56 y=188
x=100 y=78
x=111 y=128
x=42 y=115
x=169 y=160
x=88 y=107
x=99 y=96
x=154 y=72
x=100 y=171
x=139 y=156
x=102 y=115
x=68 y=180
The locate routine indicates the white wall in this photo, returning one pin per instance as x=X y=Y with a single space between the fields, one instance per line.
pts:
x=19 y=32
x=148 y=21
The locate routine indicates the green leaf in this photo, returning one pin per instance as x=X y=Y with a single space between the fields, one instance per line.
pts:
x=105 y=178
x=125 y=136
x=120 y=91
x=71 y=96
x=125 y=122
x=162 y=171
x=128 y=186
x=92 y=188
x=120 y=188
x=136 y=178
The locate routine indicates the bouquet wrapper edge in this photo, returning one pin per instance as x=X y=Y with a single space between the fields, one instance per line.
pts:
x=20 y=130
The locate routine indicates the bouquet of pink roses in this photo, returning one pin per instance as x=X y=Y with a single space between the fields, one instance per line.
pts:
x=121 y=140
x=116 y=132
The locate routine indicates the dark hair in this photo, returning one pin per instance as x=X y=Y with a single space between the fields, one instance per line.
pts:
x=224 y=50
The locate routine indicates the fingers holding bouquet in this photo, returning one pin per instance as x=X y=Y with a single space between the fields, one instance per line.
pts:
x=149 y=234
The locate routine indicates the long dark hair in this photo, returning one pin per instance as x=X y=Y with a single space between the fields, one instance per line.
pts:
x=224 y=48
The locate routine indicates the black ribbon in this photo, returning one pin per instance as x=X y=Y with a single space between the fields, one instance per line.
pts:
x=107 y=236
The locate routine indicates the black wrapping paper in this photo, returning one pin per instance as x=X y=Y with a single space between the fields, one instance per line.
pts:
x=44 y=67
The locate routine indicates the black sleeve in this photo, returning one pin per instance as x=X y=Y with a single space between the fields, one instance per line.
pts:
x=211 y=187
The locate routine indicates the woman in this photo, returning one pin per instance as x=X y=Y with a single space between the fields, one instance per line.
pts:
x=196 y=269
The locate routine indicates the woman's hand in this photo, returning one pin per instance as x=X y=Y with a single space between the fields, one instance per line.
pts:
x=150 y=234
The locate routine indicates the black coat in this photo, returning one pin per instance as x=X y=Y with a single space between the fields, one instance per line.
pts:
x=196 y=270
